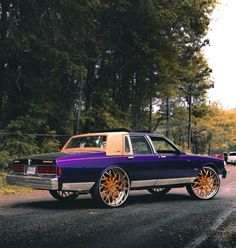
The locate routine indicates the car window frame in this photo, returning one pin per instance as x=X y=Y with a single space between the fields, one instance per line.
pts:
x=148 y=143
x=130 y=153
x=178 y=151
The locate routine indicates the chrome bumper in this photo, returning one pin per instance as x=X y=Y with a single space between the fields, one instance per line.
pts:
x=33 y=182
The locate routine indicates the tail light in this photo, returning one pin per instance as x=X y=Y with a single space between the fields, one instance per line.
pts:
x=58 y=170
x=18 y=168
x=47 y=169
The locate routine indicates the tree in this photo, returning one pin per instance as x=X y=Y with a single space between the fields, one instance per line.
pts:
x=78 y=66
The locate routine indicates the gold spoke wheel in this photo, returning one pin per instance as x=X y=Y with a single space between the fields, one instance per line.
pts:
x=206 y=185
x=114 y=187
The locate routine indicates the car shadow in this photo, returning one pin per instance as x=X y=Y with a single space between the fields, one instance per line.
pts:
x=89 y=203
x=60 y=205
x=150 y=198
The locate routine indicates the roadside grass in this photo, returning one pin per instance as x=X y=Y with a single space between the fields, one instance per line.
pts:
x=9 y=189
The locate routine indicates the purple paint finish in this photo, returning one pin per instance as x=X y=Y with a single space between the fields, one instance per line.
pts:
x=87 y=167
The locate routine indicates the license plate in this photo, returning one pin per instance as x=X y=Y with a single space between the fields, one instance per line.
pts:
x=31 y=170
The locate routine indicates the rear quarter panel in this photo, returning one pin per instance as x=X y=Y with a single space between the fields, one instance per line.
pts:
x=87 y=168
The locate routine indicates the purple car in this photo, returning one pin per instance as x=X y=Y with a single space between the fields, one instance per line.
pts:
x=110 y=164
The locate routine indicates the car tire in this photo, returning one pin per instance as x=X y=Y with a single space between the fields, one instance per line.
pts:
x=62 y=195
x=160 y=190
x=113 y=187
x=206 y=184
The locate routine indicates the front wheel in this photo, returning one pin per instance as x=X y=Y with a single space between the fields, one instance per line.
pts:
x=160 y=190
x=206 y=185
x=62 y=195
x=112 y=189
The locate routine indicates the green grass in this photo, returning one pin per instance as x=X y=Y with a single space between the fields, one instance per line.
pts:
x=9 y=189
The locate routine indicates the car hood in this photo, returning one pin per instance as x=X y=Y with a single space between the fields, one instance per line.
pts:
x=203 y=157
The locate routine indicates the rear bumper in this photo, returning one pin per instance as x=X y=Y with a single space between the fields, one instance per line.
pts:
x=47 y=183
x=33 y=182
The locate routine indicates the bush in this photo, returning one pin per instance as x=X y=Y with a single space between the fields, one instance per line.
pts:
x=5 y=158
x=22 y=144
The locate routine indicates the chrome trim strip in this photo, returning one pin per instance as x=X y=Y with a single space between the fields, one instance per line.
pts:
x=143 y=183
x=33 y=182
x=151 y=144
x=157 y=182
x=78 y=186
x=175 y=181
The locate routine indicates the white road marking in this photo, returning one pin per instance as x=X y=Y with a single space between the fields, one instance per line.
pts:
x=203 y=237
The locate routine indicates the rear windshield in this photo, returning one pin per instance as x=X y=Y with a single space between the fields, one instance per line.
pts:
x=87 y=141
x=232 y=154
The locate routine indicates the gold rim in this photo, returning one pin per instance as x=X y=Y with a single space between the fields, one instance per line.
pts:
x=114 y=187
x=207 y=183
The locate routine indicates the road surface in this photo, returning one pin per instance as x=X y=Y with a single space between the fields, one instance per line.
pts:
x=37 y=220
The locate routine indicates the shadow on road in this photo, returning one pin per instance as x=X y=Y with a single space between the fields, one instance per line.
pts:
x=149 y=198
x=88 y=203
x=54 y=204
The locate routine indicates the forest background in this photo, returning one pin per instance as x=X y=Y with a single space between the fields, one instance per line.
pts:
x=71 y=67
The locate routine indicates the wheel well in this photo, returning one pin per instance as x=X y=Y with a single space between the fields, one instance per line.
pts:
x=213 y=166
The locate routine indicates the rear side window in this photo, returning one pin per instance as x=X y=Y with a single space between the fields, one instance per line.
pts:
x=87 y=141
x=140 y=145
x=127 y=148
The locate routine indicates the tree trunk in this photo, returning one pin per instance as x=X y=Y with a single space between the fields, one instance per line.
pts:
x=3 y=36
x=81 y=85
x=150 y=114
x=167 y=117
x=189 y=122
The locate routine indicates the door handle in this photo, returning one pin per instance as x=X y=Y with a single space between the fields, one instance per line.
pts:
x=163 y=156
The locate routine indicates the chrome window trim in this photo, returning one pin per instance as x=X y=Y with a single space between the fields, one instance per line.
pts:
x=130 y=146
x=151 y=144
x=167 y=140
x=148 y=143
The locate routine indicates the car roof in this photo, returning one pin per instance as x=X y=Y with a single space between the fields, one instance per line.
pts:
x=121 y=130
x=146 y=133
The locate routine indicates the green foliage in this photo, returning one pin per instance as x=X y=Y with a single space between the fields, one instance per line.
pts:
x=103 y=62
x=21 y=141
x=5 y=158
x=50 y=145
x=213 y=129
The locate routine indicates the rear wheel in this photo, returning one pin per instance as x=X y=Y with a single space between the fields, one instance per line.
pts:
x=160 y=190
x=62 y=195
x=206 y=185
x=113 y=188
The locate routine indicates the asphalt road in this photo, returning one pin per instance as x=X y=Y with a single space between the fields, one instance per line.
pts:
x=175 y=220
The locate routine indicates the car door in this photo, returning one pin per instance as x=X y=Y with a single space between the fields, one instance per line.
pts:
x=141 y=166
x=171 y=163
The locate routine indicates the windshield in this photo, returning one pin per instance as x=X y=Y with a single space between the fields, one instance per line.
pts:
x=232 y=154
x=87 y=141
